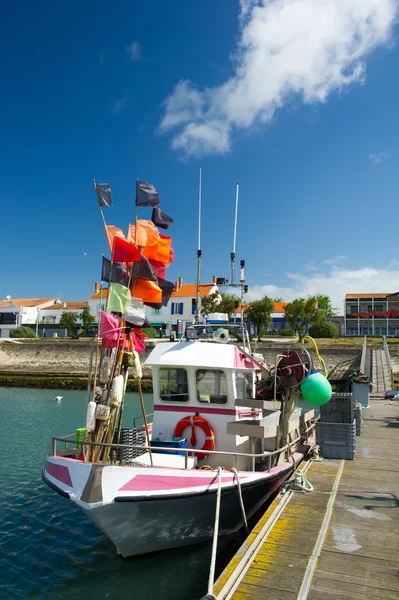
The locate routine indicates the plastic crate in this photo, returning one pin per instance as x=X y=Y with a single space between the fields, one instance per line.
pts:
x=80 y=436
x=359 y=418
x=340 y=409
x=173 y=443
x=133 y=436
x=337 y=440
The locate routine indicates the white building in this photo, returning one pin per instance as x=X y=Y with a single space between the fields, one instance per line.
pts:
x=15 y=312
x=52 y=314
x=180 y=308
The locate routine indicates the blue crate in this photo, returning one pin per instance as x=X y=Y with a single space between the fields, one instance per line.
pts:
x=173 y=443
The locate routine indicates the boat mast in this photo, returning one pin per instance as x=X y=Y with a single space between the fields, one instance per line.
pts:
x=199 y=251
x=233 y=254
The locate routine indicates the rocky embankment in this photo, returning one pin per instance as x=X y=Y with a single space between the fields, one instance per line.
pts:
x=65 y=363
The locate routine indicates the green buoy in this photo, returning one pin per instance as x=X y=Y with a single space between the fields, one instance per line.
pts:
x=316 y=389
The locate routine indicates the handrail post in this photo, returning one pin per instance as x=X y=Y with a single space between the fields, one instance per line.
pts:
x=54 y=450
x=364 y=354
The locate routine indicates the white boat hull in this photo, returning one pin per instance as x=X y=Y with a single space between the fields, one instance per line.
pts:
x=143 y=510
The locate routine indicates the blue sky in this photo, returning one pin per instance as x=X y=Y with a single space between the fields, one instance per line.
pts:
x=295 y=100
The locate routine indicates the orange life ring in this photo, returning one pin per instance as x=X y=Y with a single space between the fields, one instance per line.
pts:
x=196 y=421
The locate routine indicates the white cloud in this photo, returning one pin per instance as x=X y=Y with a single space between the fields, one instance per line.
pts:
x=377 y=159
x=336 y=283
x=133 y=50
x=119 y=105
x=333 y=261
x=307 y=48
x=311 y=266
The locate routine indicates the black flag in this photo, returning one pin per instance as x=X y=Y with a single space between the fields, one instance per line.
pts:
x=104 y=195
x=160 y=219
x=146 y=194
x=120 y=273
x=142 y=269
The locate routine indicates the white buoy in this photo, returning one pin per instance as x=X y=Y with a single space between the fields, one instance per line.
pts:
x=91 y=416
x=117 y=389
x=105 y=369
x=136 y=367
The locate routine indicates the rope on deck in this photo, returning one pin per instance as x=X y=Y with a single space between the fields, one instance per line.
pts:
x=211 y=580
x=300 y=483
x=244 y=516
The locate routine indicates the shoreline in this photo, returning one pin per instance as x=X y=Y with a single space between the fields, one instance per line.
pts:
x=57 y=381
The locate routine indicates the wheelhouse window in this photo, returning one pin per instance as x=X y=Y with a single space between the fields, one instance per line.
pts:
x=211 y=386
x=244 y=385
x=173 y=385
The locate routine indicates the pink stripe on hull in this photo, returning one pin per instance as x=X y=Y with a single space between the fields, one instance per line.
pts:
x=59 y=472
x=143 y=483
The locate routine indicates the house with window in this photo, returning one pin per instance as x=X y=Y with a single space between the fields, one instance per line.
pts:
x=16 y=312
x=51 y=315
x=372 y=314
x=181 y=308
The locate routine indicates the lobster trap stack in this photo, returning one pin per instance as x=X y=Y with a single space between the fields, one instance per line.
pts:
x=338 y=426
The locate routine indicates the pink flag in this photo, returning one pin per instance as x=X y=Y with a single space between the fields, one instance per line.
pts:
x=108 y=325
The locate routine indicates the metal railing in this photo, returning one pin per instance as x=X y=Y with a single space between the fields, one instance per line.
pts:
x=388 y=358
x=364 y=355
x=269 y=455
x=141 y=418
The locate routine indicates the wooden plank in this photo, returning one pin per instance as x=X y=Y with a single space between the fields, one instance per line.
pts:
x=250 y=592
x=339 y=562
x=351 y=590
x=386 y=581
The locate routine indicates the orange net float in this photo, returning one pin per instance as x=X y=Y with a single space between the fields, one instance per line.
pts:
x=193 y=422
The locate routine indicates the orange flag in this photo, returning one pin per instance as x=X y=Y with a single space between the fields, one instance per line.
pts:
x=146 y=235
x=111 y=232
x=160 y=252
x=148 y=291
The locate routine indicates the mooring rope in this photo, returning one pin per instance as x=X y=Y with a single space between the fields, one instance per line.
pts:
x=244 y=516
x=211 y=579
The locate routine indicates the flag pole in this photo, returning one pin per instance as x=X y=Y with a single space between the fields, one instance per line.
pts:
x=199 y=251
x=233 y=254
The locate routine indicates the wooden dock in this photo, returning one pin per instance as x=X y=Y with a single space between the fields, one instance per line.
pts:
x=339 y=541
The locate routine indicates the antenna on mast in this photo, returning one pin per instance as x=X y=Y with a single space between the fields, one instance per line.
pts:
x=233 y=254
x=199 y=251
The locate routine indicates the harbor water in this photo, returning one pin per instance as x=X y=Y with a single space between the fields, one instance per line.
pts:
x=48 y=547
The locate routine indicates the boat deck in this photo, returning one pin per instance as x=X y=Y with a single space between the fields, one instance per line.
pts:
x=339 y=541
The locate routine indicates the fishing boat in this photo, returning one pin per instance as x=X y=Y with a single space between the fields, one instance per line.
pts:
x=223 y=423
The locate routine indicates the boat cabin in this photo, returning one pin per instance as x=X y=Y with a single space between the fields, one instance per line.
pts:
x=202 y=378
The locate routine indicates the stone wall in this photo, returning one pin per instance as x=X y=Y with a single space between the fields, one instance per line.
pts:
x=58 y=357
x=71 y=357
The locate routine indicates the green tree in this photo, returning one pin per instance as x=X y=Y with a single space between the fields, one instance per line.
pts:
x=278 y=299
x=259 y=312
x=324 y=329
x=325 y=306
x=22 y=332
x=301 y=313
x=86 y=318
x=219 y=302
x=69 y=321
